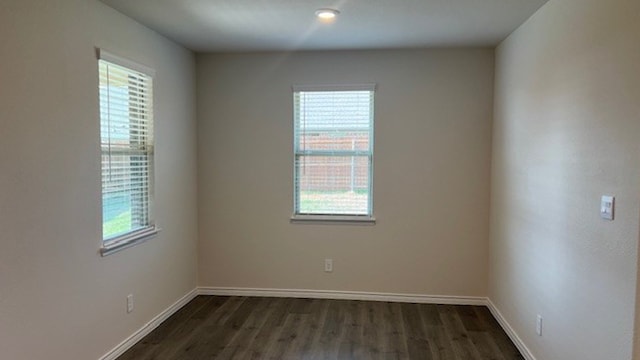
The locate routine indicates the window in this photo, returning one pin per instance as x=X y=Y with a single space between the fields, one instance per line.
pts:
x=126 y=134
x=333 y=146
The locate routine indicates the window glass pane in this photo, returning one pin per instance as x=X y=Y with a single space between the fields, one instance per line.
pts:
x=333 y=146
x=333 y=185
x=127 y=149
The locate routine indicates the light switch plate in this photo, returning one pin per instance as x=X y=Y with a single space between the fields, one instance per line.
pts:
x=607 y=207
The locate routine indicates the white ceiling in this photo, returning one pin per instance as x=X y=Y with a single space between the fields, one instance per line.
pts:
x=258 y=25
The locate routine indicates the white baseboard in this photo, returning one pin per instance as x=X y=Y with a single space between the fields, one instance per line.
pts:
x=524 y=350
x=344 y=295
x=149 y=327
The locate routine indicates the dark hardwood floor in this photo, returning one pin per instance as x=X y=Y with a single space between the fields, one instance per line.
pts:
x=215 y=327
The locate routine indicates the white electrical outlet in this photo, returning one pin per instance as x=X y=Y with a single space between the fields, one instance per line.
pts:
x=328 y=265
x=129 y=303
x=539 y=325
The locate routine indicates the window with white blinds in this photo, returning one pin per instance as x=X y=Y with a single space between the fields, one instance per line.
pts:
x=126 y=133
x=333 y=145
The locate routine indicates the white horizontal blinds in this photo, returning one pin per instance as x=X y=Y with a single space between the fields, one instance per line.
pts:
x=126 y=120
x=333 y=151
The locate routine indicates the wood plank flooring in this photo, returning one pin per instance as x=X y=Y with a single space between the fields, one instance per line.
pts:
x=216 y=327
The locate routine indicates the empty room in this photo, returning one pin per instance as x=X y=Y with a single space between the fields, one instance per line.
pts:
x=346 y=179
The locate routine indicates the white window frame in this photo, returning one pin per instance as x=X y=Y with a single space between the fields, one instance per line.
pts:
x=367 y=219
x=129 y=239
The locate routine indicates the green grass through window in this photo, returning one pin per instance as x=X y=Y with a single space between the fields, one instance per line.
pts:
x=118 y=225
x=334 y=202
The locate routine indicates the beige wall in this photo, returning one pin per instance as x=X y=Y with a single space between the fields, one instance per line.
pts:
x=566 y=131
x=58 y=298
x=431 y=182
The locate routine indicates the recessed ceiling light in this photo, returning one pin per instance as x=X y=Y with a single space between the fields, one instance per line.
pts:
x=327 y=14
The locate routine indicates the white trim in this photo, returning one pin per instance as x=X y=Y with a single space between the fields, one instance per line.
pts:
x=524 y=350
x=102 y=54
x=334 y=87
x=345 y=295
x=149 y=327
x=128 y=240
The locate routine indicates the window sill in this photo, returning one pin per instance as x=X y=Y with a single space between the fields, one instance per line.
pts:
x=128 y=240
x=333 y=219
